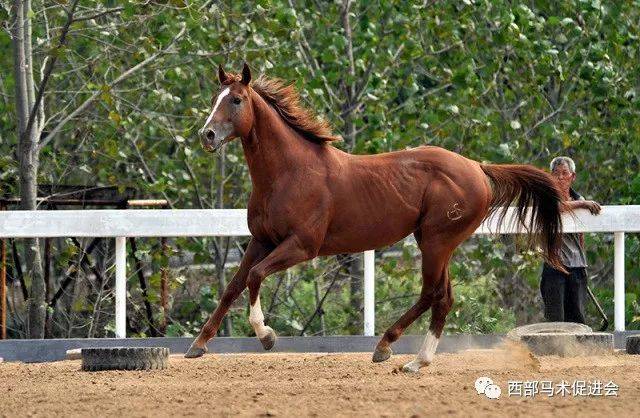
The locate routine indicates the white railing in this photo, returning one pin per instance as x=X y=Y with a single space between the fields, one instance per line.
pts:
x=120 y=224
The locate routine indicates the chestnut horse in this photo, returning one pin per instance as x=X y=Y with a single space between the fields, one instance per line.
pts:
x=311 y=199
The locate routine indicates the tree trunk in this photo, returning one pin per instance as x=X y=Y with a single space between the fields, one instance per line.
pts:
x=28 y=55
x=19 y=63
x=28 y=155
x=323 y=328
x=164 y=286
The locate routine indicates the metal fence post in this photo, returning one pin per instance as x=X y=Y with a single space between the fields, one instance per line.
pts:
x=618 y=281
x=121 y=287
x=369 y=292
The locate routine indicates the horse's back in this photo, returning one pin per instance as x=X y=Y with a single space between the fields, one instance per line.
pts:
x=379 y=199
x=425 y=164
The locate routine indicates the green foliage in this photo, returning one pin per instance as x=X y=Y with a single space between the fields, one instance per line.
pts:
x=494 y=81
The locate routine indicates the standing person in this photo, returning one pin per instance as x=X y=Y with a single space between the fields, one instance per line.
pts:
x=564 y=294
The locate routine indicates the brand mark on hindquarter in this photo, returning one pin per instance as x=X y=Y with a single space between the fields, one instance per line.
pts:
x=455 y=213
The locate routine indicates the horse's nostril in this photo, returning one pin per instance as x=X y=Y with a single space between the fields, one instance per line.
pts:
x=210 y=135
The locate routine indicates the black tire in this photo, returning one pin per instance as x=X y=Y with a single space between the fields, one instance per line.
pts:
x=633 y=344
x=549 y=327
x=567 y=345
x=125 y=358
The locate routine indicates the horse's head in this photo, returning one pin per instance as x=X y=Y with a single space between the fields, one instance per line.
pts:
x=232 y=113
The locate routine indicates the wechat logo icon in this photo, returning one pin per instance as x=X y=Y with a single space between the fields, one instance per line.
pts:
x=485 y=386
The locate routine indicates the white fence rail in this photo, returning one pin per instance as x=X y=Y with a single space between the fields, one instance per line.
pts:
x=120 y=224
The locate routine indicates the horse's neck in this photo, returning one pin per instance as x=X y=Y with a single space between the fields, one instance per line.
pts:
x=272 y=146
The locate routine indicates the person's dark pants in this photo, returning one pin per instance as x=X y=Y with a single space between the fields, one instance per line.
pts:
x=564 y=294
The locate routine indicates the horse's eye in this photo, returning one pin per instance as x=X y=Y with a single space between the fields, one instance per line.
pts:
x=237 y=100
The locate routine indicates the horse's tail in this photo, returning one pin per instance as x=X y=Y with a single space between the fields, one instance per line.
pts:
x=529 y=187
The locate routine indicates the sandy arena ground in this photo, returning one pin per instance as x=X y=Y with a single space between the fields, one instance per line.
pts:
x=319 y=385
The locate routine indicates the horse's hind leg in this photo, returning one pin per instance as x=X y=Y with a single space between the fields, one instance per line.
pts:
x=383 y=349
x=439 y=312
x=434 y=259
x=265 y=334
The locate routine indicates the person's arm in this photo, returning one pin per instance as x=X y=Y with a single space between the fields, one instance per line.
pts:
x=571 y=205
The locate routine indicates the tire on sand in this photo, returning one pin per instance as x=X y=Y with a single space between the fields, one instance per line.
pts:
x=568 y=345
x=633 y=344
x=125 y=358
x=549 y=327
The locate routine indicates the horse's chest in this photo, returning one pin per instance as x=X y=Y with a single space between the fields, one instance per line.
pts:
x=266 y=226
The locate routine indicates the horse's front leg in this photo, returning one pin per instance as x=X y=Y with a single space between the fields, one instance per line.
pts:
x=254 y=253
x=289 y=253
x=265 y=334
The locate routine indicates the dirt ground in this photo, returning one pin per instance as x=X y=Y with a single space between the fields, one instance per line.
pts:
x=320 y=385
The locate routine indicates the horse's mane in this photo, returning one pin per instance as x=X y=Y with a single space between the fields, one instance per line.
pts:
x=284 y=98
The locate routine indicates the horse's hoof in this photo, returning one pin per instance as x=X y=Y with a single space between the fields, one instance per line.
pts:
x=269 y=340
x=195 y=352
x=382 y=354
x=413 y=366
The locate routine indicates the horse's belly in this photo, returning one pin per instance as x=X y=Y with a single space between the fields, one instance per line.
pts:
x=366 y=234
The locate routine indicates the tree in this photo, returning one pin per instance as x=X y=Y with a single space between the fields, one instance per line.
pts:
x=495 y=81
x=32 y=123
x=28 y=116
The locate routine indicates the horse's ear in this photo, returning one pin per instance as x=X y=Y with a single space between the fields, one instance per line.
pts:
x=246 y=74
x=222 y=76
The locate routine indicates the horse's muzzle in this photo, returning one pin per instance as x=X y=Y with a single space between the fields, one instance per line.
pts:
x=208 y=140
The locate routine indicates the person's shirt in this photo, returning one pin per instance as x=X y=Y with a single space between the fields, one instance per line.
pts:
x=572 y=252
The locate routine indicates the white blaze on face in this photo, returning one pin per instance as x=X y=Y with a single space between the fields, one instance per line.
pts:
x=222 y=95
x=256 y=319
